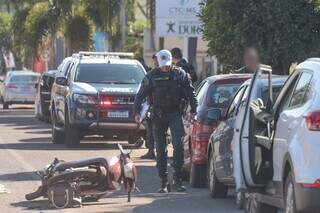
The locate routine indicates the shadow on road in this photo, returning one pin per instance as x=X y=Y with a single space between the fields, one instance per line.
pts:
x=20 y=176
x=45 y=144
x=194 y=200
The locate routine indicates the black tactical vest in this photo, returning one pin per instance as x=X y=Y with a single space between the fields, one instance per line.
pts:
x=166 y=90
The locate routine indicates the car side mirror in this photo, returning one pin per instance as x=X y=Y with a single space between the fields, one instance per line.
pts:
x=215 y=114
x=62 y=81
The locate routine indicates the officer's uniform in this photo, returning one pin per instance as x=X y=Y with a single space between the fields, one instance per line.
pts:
x=166 y=91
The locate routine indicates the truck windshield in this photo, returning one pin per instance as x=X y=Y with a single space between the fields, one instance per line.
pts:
x=109 y=73
x=24 y=79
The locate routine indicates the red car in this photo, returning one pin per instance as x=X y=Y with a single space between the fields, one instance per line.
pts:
x=214 y=95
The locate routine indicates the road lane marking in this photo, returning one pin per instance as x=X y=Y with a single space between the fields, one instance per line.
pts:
x=3 y=189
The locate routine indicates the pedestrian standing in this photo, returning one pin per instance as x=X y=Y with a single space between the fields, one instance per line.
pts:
x=251 y=61
x=179 y=61
x=166 y=86
x=150 y=139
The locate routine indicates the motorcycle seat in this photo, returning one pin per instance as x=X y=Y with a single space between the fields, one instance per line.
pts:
x=81 y=163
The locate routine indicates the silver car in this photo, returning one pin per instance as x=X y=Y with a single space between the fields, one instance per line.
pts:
x=18 y=87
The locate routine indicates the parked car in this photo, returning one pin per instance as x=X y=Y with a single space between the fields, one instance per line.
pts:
x=18 y=87
x=43 y=98
x=213 y=94
x=220 y=156
x=93 y=94
x=279 y=159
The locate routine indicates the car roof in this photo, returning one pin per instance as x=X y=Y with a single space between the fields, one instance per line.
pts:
x=310 y=64
x=229 y=78
x=276 y=80
x=22 y=72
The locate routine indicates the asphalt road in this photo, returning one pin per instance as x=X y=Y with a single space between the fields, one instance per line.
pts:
x=25 y=147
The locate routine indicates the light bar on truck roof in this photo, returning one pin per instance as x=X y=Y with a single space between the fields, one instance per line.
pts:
x=104 y=54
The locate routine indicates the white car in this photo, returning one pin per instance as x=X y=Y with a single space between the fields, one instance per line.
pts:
x=19 y=87
x=276 y=151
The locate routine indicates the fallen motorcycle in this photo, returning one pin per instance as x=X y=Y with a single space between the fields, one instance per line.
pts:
x=67 y=184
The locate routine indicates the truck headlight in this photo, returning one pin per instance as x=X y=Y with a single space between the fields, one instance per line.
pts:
x=84 y=99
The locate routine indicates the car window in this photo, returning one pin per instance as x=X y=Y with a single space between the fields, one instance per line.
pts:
x=275 y=92
x=300 y=93
x=24 y=79
x=199 y=87
x=202 y=92
x=68 y=74
x=109 y=73
x=220 y=95
x=233 y=108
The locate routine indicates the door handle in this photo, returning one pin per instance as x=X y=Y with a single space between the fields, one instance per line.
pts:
x=237 y=130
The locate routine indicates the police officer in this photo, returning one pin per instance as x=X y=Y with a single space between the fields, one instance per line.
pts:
x=179 y=61
x=167 y=86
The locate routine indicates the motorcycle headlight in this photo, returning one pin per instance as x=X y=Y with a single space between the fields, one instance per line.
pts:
x=84 y=99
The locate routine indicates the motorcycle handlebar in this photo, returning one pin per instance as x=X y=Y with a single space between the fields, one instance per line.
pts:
x=34 y=195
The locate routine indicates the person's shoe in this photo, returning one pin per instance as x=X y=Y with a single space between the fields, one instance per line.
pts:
x=149 y=155
x=177 y=186
x=165 y=188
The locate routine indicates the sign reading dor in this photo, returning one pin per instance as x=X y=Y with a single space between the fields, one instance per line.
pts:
x=178 y=18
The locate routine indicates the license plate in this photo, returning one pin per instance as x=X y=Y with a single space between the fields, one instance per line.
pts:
x=118 y=114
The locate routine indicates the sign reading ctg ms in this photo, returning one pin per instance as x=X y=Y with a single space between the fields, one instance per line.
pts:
x=178 y=18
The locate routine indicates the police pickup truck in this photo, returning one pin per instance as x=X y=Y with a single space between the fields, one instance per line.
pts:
x=93 y=94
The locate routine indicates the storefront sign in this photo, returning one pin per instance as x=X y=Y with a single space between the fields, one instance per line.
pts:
x=178 y=18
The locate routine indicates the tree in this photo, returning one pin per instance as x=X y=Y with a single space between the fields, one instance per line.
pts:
x=283 y=31
x=5 y=31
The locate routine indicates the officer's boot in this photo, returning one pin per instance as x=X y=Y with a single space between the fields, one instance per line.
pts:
x=164 y=185
x=177 y=183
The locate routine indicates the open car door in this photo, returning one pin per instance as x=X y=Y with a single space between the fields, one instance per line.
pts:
x=255 y=134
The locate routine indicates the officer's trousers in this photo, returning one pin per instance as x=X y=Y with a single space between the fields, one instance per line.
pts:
x=160 y=127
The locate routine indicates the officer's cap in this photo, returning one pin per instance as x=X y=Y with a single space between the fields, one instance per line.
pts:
x=164 y=58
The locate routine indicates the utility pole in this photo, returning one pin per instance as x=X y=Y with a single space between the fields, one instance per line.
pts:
x=123 y=24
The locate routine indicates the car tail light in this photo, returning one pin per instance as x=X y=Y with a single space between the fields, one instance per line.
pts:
x=313 y=121
x=202 y=132
x=11 y=86
x=315 y=185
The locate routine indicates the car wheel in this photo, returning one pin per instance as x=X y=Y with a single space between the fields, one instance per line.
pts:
x=254 y=206
x=58 y=135
x=72 y=134
x=5 y=105
x=185 y=176
x=198 y=175
x=217 y=189
x=289 y=198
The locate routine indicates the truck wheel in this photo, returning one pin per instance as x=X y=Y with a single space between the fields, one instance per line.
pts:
x=198 y=175
x=5 y=105
x=289 y=198
x=217 y=189
x=254 y=206
x=58 y=135
x=72 y=134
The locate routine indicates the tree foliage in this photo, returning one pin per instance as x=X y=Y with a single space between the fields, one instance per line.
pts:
x=283 y=31
x=5 y=31
x=36 y=20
